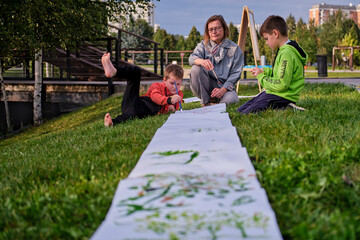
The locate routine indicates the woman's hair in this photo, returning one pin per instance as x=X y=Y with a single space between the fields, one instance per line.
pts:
x=223 y=23
x=274 y=23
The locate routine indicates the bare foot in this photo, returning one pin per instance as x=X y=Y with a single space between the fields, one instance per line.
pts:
x=109 y=68
x=108 y=121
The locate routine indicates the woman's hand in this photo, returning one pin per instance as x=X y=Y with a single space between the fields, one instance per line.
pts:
x=218 y=92
x=206 y=63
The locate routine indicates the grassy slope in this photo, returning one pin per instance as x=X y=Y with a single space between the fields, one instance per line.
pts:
x=58 y=180
x=302 y=158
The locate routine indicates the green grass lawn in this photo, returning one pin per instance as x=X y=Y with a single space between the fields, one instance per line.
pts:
x=58 y=180
x=334 y=74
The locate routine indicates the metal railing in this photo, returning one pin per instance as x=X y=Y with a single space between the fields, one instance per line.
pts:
x=118 y=49
x=168 y=59
x=67 y=66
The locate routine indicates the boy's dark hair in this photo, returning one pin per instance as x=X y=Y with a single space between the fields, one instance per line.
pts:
x=223 y=23
x=274 y=23
x=175 y=70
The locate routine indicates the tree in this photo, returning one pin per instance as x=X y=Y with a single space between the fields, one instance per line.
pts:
x=3 y=92
x=306 y=37
x=352 y=39
x=234 y=33
x=265 y=50
x=54 y=23
x=310 y=41
x=47 y=24
x=193 y=39
x=300 y=24
x=141 y=28
x=180 y=43
x=331 y=31
x=167 y=41
x=291 y=24
x=249 y=49
x=10 y=38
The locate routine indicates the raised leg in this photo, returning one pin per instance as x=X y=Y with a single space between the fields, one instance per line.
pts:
x=109 y=68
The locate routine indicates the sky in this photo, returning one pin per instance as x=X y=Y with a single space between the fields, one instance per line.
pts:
x=179 y=16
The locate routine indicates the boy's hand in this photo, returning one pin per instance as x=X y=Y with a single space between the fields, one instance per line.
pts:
x=175 y=98
x=171 y=108
x=256 y=71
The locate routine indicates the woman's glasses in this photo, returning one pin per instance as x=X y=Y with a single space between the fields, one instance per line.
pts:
x=216 y=29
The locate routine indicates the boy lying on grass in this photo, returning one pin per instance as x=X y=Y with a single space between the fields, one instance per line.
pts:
x=285 y=80
x=161 y=97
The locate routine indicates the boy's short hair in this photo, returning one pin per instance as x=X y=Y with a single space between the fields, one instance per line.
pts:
x=175 y=70
x=223 y=24
x=274 y=22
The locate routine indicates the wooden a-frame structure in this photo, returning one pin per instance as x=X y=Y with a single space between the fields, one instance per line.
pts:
x=247 y=21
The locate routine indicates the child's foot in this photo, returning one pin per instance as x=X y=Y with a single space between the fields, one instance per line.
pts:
x=108 y=121
x=109 y=68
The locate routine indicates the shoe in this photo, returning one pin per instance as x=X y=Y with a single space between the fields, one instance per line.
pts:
x=293 y=106
x=214 y=100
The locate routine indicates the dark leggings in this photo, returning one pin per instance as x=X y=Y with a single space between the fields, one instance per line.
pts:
x=132 y=104
x=262 y=102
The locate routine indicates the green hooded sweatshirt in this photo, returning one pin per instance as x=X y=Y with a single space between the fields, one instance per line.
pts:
x=286 y=79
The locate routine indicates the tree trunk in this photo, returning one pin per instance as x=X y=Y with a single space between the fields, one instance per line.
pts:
x=7 y=113
x=38 y=88
x=47 y=72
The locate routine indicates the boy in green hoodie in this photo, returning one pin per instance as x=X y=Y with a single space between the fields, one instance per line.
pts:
x=284 y=81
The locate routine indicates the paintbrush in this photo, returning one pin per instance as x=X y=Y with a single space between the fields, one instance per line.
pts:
x=214 y=74
x=178 y=94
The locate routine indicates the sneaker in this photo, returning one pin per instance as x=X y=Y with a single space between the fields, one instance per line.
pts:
x=293 y=106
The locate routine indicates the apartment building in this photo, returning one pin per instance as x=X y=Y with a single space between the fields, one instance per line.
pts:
x=320 y=13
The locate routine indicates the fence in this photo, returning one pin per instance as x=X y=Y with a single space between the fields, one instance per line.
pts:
x=181 y=57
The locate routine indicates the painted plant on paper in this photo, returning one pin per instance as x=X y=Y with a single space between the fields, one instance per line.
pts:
x=205 y=224
x=167 y=191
